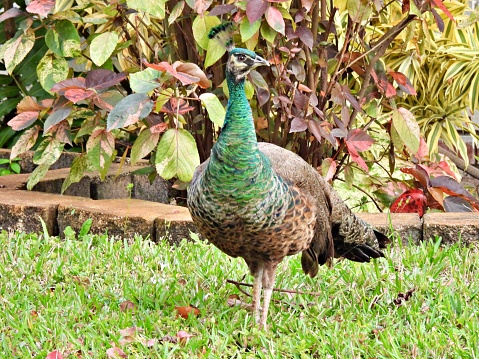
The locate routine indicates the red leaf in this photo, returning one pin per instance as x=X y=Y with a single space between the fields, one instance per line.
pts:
x=305 y=35
x=70 y=84
x=23 y=120
x=275 y=19
x=298 y=125
x=54 y=355
x=255 y=9
x=356 y=157
x=115 y=352
x=222 y=9
x=77 y=95
x=411 y=201
x=403 y=82
x=330 y=165
x=41 y=7
x=185 y=78
x=359 y=139
x=201 y=6
x=184 y=312
x=183 y=336
x=28 y=104
x=452 y=187
x=13 y=12
x=420 y=174
x=444 y=9
x=100 y=79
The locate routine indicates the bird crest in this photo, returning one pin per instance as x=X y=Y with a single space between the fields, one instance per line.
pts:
x=223 y=33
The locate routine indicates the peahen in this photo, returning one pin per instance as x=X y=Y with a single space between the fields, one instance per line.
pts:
x=261 y=202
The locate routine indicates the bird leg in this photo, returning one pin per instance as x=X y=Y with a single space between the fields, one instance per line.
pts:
x=257 y=284
x=269 y=275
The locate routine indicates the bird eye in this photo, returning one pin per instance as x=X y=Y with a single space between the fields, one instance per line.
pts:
x=241 y=57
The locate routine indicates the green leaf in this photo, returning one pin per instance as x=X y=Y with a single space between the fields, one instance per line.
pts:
x=176 y=12
x=63 y=39
x=214 y=52
x=145 y=81
x=102 y=47
x=129 y=110
x=215 y=109
x=85 y=227
x=359 y=10
x=52 y=69
x=48 y=152
x=407 y=128
x=101 y=150
x=177 y=155
x=144 y=144
x=17 y=48
x=247 y=30
x=37 y=174
x=77 y=171
x=152 y=7
x=268 y=33
x=433 y=137
x=201 y=27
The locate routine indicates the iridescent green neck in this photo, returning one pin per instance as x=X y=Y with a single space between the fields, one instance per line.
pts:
x=237 y=145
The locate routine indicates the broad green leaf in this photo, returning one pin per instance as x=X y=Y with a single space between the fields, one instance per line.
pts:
x=145 y=81
x=215 y=109
x=48 y=151
x=201 y=27
x=247 y=30
x=268 y=33
x=129 y=110
x=177 y=155
x=359 y=10
x=152 y=7
x=407 y=128
x=63 y=39
x=78 y=168
x=144 y=144
x=37 y=174
x=15 y=50
x=163 y=97
x=474 y=93
x=214 y=52
x=52 y=69
x=25 y=142
x=176 y=12
x=102 y=47
x=100 y=149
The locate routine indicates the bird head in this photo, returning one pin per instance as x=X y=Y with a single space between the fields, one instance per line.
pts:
x=241 y=62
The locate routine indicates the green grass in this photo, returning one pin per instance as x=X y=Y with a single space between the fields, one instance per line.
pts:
x=65 y=295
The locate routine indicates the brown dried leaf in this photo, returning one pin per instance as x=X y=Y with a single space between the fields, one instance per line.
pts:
x=115 y=353
x=127 y=305
x=185 y=311
x=403 y=297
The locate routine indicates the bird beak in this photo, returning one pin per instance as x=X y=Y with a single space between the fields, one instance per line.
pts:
x=259 y=61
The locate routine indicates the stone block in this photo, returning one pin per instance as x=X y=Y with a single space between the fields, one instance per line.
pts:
x=22 y=210
x=452 y=227
x=407 y=226
x=158 y=191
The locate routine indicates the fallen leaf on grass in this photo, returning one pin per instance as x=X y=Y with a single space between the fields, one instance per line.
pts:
x=184 y=312
x=54 y=355
x=127 y=305
x=183 y=336
x=129 y=335
x=403 y=297
x=115 y=353
x=169 y=339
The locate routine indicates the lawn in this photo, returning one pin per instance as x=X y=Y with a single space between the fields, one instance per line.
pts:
x=91 y=296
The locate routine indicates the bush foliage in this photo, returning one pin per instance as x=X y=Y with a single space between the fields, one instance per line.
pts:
x=352 y=84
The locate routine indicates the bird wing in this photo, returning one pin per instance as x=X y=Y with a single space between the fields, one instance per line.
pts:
x=353 y=238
